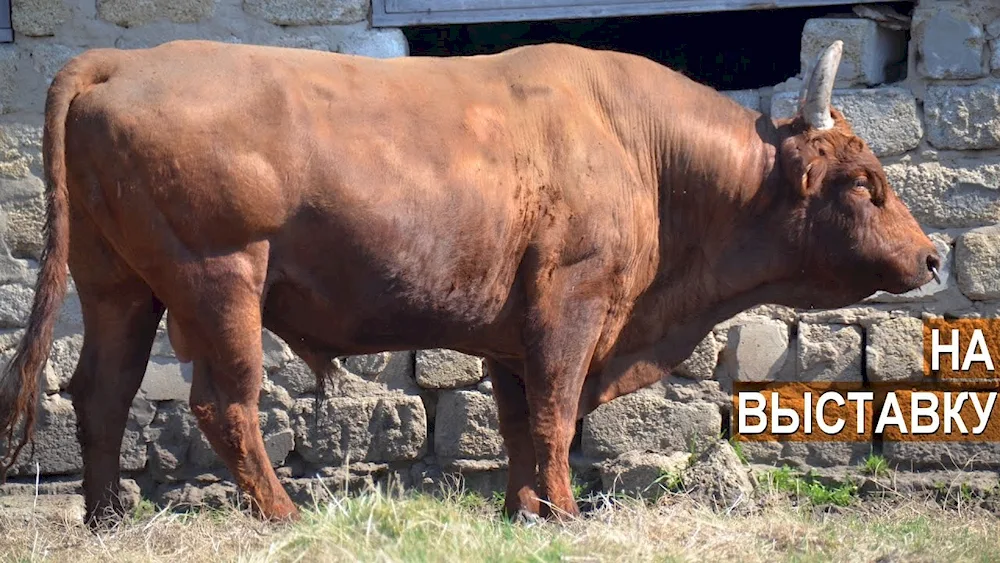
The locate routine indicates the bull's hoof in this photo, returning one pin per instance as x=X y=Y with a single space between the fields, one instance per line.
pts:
x=559 y=515
x=276 y=512
x=526 y=518
x=284 y=515
x=104 y=520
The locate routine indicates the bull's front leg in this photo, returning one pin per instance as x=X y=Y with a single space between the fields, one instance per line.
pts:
x=563 y=330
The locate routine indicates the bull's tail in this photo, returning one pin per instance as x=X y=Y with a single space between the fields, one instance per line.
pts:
x=19 y=380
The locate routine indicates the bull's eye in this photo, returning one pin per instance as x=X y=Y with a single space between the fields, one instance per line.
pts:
x=862 y=183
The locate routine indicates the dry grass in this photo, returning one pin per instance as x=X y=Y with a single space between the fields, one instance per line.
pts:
x=455 y=527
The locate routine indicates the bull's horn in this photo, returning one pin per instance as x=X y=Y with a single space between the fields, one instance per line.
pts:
x=815 y=100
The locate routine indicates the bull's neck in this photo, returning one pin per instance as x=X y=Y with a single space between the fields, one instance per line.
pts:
x=711 y=165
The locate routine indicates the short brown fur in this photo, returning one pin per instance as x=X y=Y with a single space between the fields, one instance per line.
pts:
x=579 y=218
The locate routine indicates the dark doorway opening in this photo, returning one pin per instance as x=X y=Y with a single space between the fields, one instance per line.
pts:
x=726 y=50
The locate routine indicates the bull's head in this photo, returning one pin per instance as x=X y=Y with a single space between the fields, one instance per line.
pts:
x=855 y=236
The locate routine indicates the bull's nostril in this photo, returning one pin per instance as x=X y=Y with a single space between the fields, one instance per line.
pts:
x=933 y=265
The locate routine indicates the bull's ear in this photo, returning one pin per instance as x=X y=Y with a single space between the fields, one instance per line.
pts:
x=812 y=177
x=802 y=168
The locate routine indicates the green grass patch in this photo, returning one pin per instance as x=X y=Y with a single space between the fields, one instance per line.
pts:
x=421 y=529
x=738 y=448
x=143 y=509
x=671 y=481
x=808 y=487
x=875 y=465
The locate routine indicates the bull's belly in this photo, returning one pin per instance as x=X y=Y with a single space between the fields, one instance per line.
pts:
x=344 y=307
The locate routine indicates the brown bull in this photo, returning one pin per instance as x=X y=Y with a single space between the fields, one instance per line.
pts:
x=579 y=218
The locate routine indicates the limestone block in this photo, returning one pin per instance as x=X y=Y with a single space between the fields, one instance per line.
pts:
x=804 y=455
x=950 y=42
x=308 y=12
x=447 y=369
x=376 y=429
x=757 y=351
x=963 y=117
x=646 y=421
x=641 y=473
x=977 y=261
x=135 y=13
x=701 y=363
x=949 y=191
x=377 y=43
x=38 y=17
x=829 y=352
x=895 y=350
x=869 y=49
x=466 y=426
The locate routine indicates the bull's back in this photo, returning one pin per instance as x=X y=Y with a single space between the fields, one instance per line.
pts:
x=405 y=187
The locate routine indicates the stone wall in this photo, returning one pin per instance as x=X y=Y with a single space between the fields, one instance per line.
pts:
x=419 y=416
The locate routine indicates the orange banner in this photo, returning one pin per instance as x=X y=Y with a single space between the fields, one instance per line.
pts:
x=854 y=412
x=961 y=348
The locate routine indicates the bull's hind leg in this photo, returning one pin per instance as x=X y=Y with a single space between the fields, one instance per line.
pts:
x=120 y=317
x=118 y=335
x=512 y=411
x=228 y=372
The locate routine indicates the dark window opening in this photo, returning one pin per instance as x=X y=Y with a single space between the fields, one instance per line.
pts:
x=727 y=50
x=6 y=31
